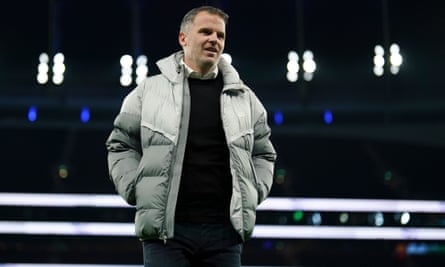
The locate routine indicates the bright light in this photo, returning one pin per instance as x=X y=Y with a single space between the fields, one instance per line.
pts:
x=278 y=118
x=378 y=219
x=378 y=71
x=63 y=171
x=328 y=117
x=308 y=61
x=379 y=61
x=127 y=71
x=292 y=76
x=85 y=114
x=378 y=50
x=125 y=80
x=309 y=65
x=62 y=200
x=32 y=114
x=396 y=59
x=292 y=56
x=58 y=58
x=352 y=205
x=394 y=49
x=344 y=217
x=347 y=232
x=43 y=68
x=298 y=215
x=67 y=228
x=141 y=60
x=316 y=218
x=57 y=79
x=308 y=76
x=44 y=58
x=404 y=219
x=271 y=203
x=58 y=68
x=141 y=73
x=292 y=66
x=126 y=61
x=142 y=70
x=260 y=231
x=394 y=69
x=42 y=78
x=63 y=265
x=308 y=55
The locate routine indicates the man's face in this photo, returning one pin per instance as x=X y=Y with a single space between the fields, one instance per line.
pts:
x=203 y=42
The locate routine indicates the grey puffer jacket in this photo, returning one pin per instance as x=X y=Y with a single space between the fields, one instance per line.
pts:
x=146 y=148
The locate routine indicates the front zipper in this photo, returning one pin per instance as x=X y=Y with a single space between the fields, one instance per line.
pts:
x=164 y=231
x=179 y=148
x=165 y=237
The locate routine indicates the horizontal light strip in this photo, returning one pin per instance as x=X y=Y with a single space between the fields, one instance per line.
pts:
x=359 y=205
x=61 y=265
x=260 y=231
x=271 y=203
x=66 y=228
x=62 y=200
x=345 y=232
x=80 y=265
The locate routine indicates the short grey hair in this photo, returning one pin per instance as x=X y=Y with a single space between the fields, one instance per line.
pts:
x=190 y=16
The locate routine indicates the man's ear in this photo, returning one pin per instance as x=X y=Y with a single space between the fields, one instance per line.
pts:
x=182 y=39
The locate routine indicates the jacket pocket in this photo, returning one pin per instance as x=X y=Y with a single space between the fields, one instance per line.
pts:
x=245 y=173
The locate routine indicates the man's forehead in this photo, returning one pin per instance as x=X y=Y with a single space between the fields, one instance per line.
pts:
x=206 y=17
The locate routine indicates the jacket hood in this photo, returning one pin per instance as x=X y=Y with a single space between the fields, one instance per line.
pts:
x=172 y=69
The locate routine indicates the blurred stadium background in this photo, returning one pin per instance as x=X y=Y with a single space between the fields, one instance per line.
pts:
x=356 y=102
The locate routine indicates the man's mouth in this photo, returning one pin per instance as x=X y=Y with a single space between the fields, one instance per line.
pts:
x=211 y=49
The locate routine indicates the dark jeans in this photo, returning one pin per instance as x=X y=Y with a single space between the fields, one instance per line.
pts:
x=215 y=245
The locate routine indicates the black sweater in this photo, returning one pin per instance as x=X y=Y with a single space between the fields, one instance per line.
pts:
x=206 y=182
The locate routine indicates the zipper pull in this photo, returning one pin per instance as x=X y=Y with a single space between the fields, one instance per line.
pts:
x=165 y=239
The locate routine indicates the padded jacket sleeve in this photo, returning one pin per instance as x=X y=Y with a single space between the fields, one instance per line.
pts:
x=124 y=147
x=263 y=154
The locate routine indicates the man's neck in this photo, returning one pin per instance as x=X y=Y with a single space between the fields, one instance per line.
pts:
x=200 y=74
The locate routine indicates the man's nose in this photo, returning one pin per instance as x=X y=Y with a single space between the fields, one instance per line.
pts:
x=213 y=37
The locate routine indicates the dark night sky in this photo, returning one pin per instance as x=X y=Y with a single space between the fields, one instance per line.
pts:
x=342 y=34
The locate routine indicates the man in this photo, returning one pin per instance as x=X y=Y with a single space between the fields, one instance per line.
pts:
x=191 y=149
